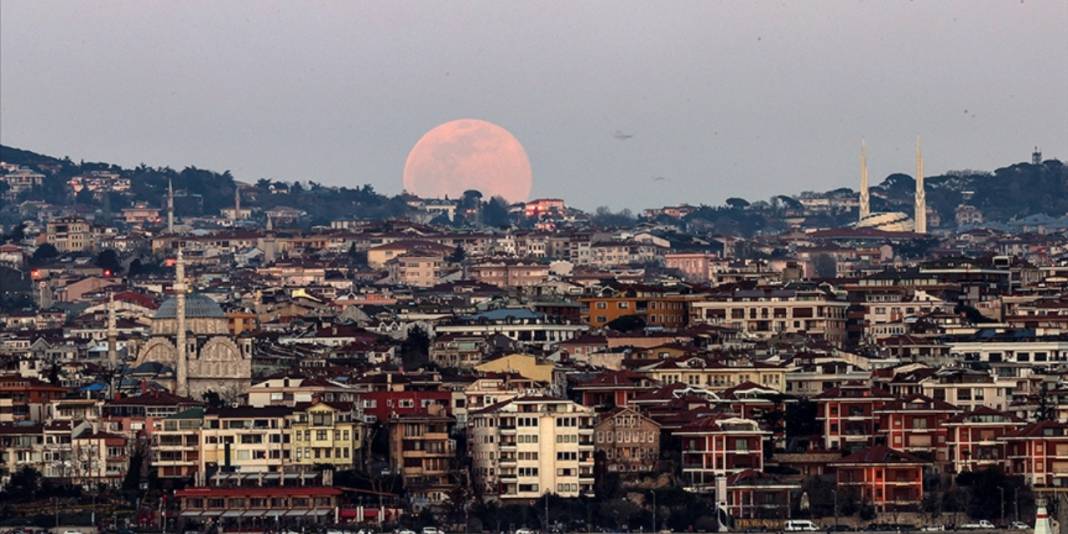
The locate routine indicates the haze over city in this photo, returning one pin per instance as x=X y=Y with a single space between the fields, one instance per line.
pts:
x=621 y=104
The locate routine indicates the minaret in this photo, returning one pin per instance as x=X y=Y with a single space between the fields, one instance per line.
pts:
x=865 y=197
x=182 y=386
x=1036 y=157
x=921 y=194
x=113 y=334
x=237 y=201
x=170 y=207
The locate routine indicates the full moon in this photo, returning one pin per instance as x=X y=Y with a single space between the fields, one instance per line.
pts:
x=468 y=154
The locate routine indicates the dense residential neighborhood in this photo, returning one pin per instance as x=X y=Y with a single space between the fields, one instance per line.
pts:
x=174 y=361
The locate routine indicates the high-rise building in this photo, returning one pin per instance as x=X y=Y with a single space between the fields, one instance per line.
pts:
x=528 y=447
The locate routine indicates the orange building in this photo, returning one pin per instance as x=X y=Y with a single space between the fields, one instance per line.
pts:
x=890 y=480
x=848 y=415
x=915 y=425
x=654 y=307
x=973 y=439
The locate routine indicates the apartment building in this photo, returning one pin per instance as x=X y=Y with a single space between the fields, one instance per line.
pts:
x=423 y=453
x=456 y=350
x=888 y=479
x=510 y=273
x=716 y=446
x=652 y=305
x=176 y=446
x=245 y=440
x=768 y=312
x=915 y=425
x=1039 y=453
x=326 y=433
x=528 y=447
x=848 y=416
x=416 y=270
x=973 y=439
x=69 y=234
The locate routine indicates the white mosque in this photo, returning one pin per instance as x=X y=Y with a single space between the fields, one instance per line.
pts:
x=190 y=334
x=893 y=221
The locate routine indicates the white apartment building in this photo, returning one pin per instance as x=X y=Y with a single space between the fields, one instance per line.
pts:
x=528 y=447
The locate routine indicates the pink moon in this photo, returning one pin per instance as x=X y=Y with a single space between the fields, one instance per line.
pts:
x=468 y=154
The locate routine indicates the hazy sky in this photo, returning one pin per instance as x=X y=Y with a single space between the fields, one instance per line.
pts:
x=722 y=98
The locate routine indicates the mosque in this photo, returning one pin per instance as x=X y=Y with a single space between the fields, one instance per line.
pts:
x=190 y=334
x=893 y=221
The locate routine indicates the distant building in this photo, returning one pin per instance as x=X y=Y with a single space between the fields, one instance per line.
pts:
x=69 y=234
x=967 y=214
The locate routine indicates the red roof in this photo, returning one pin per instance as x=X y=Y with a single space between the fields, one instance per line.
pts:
x=879 y=454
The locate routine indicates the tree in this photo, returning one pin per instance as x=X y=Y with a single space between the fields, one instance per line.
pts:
x=415 y=350
x=24 y=483
x=43 y=254
x=496 y=213
x=627 y=323
x=458 y=254
x=736 y=203
x=109 y=261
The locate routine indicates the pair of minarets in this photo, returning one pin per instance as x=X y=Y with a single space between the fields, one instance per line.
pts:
x=920 y=206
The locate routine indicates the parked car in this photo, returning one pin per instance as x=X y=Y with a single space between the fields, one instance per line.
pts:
x=934 y=528
x=982 y=524
x=1019 y=525
x=800 y=525
x=432 y=530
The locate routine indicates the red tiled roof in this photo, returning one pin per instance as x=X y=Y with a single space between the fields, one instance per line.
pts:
x=879 y=454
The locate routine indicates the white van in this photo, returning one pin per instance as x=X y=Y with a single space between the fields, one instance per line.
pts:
x=800 y=525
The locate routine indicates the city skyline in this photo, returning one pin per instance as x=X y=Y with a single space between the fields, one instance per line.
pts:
x=628 y=108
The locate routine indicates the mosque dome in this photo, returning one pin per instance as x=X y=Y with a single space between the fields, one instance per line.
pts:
x=891 y=221
x=196 y=306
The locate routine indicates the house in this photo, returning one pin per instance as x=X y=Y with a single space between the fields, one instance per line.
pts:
x=627 y=441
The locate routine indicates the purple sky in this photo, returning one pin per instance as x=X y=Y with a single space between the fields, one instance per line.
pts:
x=722 y=98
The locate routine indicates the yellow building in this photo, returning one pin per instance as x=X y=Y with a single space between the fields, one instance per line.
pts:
x=326 y=433
x=525 y=365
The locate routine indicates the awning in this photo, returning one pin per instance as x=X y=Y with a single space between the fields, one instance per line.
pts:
x=253 y=513
x=275 y=513
x=321 y=512
x=296 y=513
x=212 y=513
x=232 y=513
x=191 y=514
